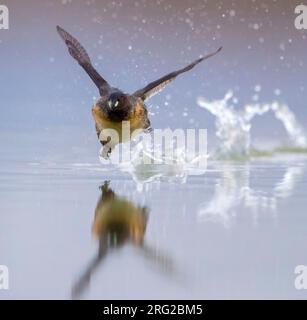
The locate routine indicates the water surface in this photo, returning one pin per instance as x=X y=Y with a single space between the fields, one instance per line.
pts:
x=237 y=231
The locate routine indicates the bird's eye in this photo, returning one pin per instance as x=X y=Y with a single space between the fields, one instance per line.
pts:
x=116 y=103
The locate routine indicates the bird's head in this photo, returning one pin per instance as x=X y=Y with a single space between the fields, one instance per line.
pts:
x=117 y=106
x=116 y=101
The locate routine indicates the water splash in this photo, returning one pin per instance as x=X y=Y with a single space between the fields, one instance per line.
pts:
x=150 y=161
x=233 y=127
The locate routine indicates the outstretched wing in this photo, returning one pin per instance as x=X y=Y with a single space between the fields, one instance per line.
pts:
x=158 y=85
x=78 y=52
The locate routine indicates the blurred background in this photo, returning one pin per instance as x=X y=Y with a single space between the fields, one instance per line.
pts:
x=46 y=97
x=242 y=225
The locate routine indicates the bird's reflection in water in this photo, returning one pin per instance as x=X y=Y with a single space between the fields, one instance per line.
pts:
x=117 y=222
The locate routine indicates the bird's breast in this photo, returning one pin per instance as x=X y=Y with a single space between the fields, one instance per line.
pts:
x=135 y=119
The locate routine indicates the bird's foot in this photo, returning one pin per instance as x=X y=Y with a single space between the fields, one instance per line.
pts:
x=148 y=130
x=106 y=152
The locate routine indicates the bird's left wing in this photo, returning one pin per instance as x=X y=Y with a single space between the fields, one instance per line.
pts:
x=158 y=85
x=77 y=51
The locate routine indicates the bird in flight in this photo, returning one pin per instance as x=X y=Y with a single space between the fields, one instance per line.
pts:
x=114 y=107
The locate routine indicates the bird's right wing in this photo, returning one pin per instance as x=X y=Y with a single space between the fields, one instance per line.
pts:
x=158 y=85
x=79 y=53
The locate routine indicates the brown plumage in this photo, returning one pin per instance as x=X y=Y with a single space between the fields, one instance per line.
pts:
x=114 y=106
x=117 y=222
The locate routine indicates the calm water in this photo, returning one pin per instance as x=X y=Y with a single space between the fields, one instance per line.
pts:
x=238 y=231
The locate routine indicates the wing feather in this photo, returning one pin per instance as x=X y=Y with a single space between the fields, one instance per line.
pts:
x=158 y=85
x=77 y=51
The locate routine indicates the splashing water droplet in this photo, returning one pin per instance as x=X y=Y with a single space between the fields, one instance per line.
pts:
x=233 y=127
